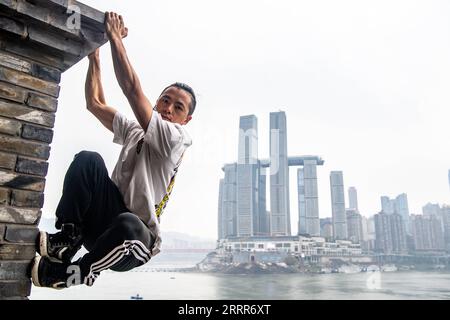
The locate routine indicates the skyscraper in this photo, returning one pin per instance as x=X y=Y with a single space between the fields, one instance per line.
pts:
x=401 y=206
x=445 y=211
x=352 y=198
x=262 y=225
x=338 y=205
x=247 y=176
x=248 y=140
x=387 y=205
x=365 y=245
x=431 y=209
x=371 y=233
x=354 y=226
x=390 y=233
x=427 y=233
x=308 y=222
x=301 y=202
x=435 y=210
x=229 y=200
x=221 y=232
x=383 y=238
x=398 y=205
x=279 y=176
x=398 y=231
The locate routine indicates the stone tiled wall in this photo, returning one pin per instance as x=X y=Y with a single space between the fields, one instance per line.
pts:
x=28 y=102
x=38 y=41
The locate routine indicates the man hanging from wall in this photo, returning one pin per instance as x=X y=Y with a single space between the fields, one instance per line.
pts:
x=117 y=219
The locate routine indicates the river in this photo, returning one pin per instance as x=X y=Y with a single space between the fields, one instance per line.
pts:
x=202 y=286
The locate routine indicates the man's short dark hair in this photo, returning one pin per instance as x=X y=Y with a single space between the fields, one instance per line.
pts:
x=189 y=90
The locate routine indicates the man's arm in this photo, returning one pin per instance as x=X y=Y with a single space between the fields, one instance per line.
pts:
x=125 y=74
x=95 y=99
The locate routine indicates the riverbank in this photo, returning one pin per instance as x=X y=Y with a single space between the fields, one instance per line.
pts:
x=282 y=264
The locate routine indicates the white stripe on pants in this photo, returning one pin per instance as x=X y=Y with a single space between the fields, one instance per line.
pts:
x=135 y=247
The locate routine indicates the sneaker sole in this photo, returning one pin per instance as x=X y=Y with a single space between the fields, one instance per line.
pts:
x=43 y=244
x=35 y=274
x=43 y=248
x=35 y=271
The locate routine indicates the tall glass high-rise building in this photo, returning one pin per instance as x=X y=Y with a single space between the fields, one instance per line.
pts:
x=247 y=176
x=352 y=198
x=279 y=176
x=229 y=201
x=220 y=216
x=263 y=222
x=301 y=202
x=248 y=140
x=308 y=199
x=338 y=205
x=401 y=204
x=387 y=205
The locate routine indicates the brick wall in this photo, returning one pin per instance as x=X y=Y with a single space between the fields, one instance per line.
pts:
x=36 y=46
x=28 y=102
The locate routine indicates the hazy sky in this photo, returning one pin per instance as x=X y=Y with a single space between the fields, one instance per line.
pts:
x=364 y=84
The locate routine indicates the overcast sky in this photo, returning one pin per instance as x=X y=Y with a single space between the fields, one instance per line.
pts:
x=364 y=84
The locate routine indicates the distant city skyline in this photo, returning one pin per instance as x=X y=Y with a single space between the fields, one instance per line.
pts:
x=392 y=225
x=243 y=197
x=350 y=199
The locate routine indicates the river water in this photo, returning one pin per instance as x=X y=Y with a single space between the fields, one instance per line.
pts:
x=192 y=286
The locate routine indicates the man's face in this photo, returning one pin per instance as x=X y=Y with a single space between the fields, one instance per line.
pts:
x=173 y=105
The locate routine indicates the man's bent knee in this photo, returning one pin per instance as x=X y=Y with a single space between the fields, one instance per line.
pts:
x=86 y=156
x=131 y=225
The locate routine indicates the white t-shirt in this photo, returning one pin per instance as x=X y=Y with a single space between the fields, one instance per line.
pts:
x=147 y=166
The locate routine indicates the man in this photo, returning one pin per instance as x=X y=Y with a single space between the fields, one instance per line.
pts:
x=117 y=219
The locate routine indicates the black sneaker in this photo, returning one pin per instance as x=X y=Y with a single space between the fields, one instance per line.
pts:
x=56 y=275
x=61 y=246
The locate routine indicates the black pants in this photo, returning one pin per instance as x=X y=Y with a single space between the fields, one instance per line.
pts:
x=115 y=238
